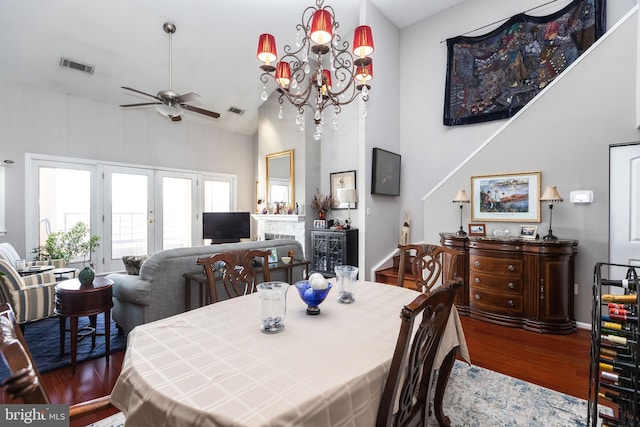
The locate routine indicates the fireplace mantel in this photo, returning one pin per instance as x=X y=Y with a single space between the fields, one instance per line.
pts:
x=282 y=226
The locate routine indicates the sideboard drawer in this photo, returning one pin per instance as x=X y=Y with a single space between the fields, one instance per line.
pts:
x=493 y=265
x=482 y=299
x=494 y=283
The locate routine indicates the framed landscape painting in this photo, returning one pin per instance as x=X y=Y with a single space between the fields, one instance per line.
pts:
x=506 y=197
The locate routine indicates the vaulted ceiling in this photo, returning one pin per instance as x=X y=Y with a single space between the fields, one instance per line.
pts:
x=213 y=48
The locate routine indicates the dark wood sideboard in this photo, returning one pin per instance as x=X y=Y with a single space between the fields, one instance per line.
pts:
x=517 y=282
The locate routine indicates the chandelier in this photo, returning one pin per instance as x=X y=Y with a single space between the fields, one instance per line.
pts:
x=337 y=75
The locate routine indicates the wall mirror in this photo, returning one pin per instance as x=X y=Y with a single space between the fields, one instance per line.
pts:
x=280 y=177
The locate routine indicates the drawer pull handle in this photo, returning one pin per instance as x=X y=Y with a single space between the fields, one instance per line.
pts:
x=477 y=280
x=510 y=303
x=511 y=267
x=477 y=296
x=511 y=285
x=477 y=263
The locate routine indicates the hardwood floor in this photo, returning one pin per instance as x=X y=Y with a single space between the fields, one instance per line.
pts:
x=558 y=362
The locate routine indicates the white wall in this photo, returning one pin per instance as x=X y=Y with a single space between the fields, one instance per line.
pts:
x=39 y=121
x=565 y=133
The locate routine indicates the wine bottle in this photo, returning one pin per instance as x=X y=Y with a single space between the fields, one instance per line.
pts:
x=620 y=298
x=615 y=398
x=619 y=366
x=617 y=339
x=618 y=326
x=626 y=391
x=619 y=333
x=622 y=306
x=621 y=350
x=612 y=377
x=624 y=283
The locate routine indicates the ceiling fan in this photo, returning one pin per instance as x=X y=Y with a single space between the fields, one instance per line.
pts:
x=169 y=103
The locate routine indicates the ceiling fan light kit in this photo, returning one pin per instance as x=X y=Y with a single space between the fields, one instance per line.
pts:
x=338 y=77
x=169 y=103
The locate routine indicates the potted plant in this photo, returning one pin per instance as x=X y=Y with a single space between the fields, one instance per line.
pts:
x=322 y=204
x=69 y=245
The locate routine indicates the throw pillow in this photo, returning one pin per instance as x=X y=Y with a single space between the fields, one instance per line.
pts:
x=132 y=263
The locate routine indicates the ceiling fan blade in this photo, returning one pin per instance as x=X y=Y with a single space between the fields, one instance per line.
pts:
x=190 y=97
x=175 y=118
x=200 y=110
x=142 y=104
x=142 y=93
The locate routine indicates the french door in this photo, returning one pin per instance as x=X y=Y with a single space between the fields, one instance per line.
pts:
x=146 y=211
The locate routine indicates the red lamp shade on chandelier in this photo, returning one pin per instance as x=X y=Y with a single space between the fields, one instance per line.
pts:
x=362 y=43
x=267 y=52
x=321 y=27
x=283 y=74
x=365 y=72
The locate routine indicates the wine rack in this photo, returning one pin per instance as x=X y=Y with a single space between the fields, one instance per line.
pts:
x=614 y=376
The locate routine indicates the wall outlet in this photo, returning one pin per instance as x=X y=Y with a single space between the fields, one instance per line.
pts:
x=575 y=289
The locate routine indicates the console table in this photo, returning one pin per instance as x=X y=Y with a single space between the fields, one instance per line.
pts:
x=525 y=283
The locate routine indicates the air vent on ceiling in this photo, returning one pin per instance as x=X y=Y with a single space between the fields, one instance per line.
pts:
x=236 y=110
x=69 y=63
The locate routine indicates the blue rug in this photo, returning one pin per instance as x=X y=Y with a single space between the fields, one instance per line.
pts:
x=43 y=339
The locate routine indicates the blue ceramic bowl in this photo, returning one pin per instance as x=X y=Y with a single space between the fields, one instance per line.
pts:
x=311 y=297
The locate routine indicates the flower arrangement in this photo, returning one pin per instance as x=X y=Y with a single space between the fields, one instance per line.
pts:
x=322 y=204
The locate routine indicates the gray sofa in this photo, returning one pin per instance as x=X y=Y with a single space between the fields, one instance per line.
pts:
x=159 y=290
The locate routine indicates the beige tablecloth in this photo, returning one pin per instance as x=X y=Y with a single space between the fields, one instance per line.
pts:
x=213 y=367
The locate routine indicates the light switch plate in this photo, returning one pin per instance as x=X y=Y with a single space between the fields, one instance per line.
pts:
x=581 y=196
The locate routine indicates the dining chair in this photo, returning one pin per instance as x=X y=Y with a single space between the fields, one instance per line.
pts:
x=25 y=381
x=238 y=274
x=405 y=399
x=430 y=266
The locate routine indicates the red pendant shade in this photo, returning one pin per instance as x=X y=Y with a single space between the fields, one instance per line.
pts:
x=364 y=73
x=321 y=27
x=327 y=78
x=267 y=49
x=362 y=41
x=283 y=74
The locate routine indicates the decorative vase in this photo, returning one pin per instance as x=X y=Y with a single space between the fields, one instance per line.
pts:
x=322 y=215
x=86 y=276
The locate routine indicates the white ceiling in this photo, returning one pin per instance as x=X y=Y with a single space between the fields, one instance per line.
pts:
x=213 y=48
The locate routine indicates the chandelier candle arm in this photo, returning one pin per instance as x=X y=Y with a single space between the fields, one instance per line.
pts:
x=335 y=79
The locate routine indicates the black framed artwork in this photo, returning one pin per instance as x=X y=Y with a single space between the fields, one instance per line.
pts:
x=385 y=173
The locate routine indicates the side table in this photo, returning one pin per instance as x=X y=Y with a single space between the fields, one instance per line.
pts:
x=74 y=300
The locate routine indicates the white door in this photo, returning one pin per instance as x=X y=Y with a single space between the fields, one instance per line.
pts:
x=624 y=205
x=129 y=214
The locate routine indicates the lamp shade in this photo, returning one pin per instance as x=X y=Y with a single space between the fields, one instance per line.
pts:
x=461 y=197
x=551 y=195
x=327 y=79
x=347 y=195
x=321 y=27
x=362 y=41
x=267 y=49
x=283 y=74
x=364 y=73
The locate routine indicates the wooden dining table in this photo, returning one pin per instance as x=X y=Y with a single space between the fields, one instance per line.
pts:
x=213 y=367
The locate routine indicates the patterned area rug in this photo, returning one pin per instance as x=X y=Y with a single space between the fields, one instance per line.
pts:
x=43 y=339
x=480 y=398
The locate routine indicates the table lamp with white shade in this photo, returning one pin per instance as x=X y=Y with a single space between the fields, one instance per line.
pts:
x=551 y=196
x=461 y=197
x=348 y=196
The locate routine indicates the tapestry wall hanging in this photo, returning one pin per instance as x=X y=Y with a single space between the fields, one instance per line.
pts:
x=493 y=76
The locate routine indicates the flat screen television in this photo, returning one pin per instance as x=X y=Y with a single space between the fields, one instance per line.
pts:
x=226 y=227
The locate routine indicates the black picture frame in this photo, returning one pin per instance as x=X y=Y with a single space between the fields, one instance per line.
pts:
x=385 y=173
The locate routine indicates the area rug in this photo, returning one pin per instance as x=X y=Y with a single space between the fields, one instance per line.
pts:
x=43 y=339
x=480 y=398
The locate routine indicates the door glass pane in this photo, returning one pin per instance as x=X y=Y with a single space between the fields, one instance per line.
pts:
x=176 y=208
x=129 y=206
x=64 y=199
x=217 y=196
